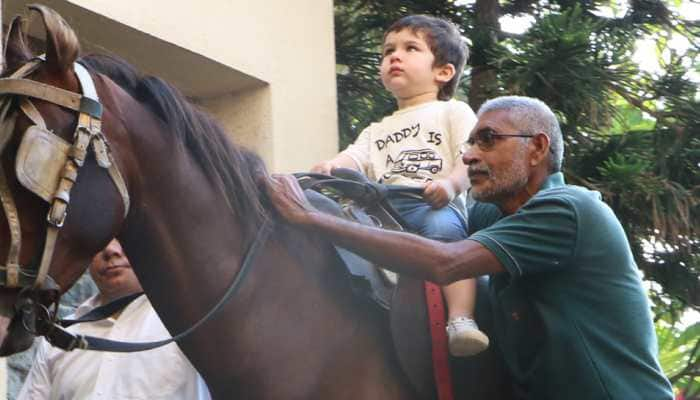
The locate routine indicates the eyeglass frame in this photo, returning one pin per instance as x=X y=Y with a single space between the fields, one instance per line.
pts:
x=471 y=141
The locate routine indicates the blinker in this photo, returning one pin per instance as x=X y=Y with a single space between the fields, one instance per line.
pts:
x=40 y=160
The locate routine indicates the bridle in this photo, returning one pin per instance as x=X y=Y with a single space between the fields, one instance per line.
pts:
x=48 y=166
x=45 y=160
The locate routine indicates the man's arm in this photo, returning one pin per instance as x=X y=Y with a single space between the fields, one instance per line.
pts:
x=404 y=253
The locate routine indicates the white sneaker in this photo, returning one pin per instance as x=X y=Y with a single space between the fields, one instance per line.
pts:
x=465 y=338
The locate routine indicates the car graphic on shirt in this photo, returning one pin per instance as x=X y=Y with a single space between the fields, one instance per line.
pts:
x=412 y=161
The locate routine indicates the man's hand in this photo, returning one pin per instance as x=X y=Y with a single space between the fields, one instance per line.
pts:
x=324 y=167
x=288 y=198
x=439 y=193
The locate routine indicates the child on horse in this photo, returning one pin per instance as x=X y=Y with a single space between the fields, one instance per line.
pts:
x=418 y=145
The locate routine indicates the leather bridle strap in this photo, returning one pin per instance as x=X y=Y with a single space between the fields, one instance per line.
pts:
x=85 y=130
x=102 y=312
x=64 y=98
x=92 y=124
x=12 y=264
x=11 y=267
x=7 y=124
x=68 y=341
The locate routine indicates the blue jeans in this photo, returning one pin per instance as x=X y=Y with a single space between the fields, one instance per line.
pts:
x=445 y=224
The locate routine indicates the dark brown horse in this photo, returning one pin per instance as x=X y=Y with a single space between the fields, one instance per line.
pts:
x=294 y=330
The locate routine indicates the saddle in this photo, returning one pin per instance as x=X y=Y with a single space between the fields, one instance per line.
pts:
x=350 y=195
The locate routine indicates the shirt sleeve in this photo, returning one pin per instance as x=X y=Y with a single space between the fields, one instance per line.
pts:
x=359 y=151
x=37 y=386
x=462 y=120
x=540 y=237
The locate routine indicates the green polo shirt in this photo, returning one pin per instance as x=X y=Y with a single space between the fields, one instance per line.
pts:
x=571 y=317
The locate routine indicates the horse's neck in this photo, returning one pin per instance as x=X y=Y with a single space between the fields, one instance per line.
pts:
x=182 y=232
x=293 y=322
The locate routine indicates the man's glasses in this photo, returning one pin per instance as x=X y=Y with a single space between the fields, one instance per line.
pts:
x=486 y=139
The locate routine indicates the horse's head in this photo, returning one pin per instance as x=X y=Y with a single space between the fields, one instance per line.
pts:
x=53 y=143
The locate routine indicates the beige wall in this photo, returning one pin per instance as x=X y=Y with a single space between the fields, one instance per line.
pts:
x=266 y=69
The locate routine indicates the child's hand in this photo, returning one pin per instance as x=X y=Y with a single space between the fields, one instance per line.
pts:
x=324 y=167
x=439 y=193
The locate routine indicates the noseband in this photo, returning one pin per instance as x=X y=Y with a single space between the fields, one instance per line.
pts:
x=47 y=165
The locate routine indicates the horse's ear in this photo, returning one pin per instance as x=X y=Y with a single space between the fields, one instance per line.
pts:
x=62 y=45
x=17 y=52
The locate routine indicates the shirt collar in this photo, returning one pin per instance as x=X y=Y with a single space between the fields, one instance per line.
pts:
x=417 y=106
x=554 y=180
x=87 y=306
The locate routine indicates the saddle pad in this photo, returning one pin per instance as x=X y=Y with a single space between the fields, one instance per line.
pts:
x=367 y=280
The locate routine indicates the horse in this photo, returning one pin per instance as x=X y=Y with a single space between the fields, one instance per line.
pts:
x=193 y=208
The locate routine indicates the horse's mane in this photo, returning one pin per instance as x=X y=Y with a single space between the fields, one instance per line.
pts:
x=232 y=169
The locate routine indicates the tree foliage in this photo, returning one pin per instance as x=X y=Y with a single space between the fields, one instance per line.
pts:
x=680 y=355
x=631 y=134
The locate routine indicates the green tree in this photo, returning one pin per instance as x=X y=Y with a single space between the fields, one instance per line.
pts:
x=631 y=134
x=680 y=352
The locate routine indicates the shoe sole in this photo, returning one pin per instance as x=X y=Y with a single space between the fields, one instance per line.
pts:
x=474 y=344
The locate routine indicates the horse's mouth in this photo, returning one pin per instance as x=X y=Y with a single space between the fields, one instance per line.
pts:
x=13 y=337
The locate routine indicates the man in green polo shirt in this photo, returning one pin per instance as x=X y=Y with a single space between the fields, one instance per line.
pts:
x=571 y=316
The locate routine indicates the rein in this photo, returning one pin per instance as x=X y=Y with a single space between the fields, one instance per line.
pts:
x=59 y=337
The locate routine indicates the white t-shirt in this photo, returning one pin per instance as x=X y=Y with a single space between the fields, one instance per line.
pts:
x=414 y=145
x=161 y=373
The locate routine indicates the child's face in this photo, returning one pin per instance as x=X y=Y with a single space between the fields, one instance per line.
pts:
x=407 y=65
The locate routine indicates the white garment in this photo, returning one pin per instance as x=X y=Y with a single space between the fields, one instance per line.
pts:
x=414 y=145
x=162 y=373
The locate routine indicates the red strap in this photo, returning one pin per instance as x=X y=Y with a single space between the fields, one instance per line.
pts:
x=441 y=361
